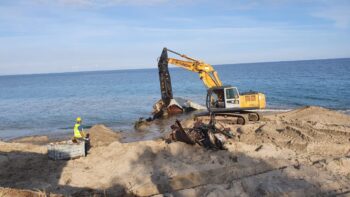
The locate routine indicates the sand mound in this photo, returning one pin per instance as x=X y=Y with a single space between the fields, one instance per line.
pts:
x=27 y=147
x=317 y=114
x=25 y=193
x=101 y=135
x=38 y=140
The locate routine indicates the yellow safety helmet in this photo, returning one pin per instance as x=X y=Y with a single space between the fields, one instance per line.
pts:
x=79 y=119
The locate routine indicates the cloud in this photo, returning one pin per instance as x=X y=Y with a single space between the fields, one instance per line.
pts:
x=340 y=15
x=231 y=4
x=102 y=3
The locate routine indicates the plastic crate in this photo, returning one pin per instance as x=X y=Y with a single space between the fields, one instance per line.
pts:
x=65 y=150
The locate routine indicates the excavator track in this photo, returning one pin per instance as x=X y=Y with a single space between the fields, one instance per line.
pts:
x=243 y=117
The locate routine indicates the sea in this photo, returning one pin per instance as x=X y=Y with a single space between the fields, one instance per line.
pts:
x=47 y=104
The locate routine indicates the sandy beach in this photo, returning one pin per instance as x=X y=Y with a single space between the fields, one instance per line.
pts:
x=168 y=98
x=296 y=153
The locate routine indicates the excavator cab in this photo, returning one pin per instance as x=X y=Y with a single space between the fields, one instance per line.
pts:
x=224 y=97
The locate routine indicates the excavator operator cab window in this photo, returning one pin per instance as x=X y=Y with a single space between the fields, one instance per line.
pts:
x=231 y=97
x=218 y=99
x=231 y=93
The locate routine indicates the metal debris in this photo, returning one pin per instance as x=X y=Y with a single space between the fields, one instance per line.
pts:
x=206 y=135
x=258 y=148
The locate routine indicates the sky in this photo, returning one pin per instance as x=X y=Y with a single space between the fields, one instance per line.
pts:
x=48 y=36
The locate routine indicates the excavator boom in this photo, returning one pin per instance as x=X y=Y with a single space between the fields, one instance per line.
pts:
x=206 y=72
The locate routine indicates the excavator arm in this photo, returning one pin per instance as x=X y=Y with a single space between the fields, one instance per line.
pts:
x=206 y=72
x=164 y=106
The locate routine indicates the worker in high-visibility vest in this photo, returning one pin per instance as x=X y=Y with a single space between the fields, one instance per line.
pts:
x=78 y=129
x=79 y=134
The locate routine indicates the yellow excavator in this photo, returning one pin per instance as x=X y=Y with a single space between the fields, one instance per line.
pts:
x=221 y=99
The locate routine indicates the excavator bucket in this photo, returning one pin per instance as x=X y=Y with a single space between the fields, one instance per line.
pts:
x=163 y=107
x=165 y=86
x=164 y=78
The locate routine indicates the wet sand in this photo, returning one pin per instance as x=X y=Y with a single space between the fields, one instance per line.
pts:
x=303 y=152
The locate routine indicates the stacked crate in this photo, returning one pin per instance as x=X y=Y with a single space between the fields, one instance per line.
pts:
x=66 y=150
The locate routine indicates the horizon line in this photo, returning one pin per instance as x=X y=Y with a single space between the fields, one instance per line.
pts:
x=225 y=64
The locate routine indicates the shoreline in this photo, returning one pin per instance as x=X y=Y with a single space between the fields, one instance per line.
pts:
x=62 y=133
x=52 y=136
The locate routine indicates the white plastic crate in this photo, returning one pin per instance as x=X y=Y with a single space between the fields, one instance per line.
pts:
x=65 y=150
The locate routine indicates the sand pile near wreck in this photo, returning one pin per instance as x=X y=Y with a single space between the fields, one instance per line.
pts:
x=297 y=153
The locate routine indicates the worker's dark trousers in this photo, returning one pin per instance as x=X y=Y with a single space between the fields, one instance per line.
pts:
x=87 y=145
